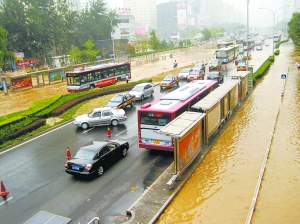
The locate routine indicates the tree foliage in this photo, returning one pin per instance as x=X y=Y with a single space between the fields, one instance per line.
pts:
x=294 y=28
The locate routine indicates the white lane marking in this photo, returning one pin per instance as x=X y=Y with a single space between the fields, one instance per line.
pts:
x=126 y=129
x=35 y=138
x=87 y=130
x=4 y=202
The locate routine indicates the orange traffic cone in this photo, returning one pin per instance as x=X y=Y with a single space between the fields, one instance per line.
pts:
x=108 y=132
x=68 y=153
x=3 y=191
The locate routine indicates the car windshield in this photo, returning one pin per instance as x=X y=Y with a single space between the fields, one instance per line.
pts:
x=214 y=63
x=213 y=74
x=138 y=88
x=194 y=73
x=85 y=154
x=168 y=78
x=241 y=64
x=185 y=71
x=116 y=99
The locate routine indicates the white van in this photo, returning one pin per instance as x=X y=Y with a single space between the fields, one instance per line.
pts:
x=259 y=47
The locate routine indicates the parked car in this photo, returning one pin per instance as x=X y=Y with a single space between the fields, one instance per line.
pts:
x=101 y=116
x=169 y=81
x=215 y=75
x=196 y=75
x=184 y=73
x=241 y=66
x=121 y=100
x=215 y=65
x=142 y=90
x=95 y=156
x=259 y=47
x=7 y=85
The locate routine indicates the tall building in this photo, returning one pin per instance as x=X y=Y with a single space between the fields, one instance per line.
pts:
x=143 y=11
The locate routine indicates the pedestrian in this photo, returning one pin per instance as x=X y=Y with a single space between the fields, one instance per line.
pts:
x=225 y=67
x=298 y=65
x=127 y=78
x=31 y=66
x=49 y=67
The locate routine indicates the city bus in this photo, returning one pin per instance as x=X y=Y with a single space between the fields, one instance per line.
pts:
x=226 y=54
x=224 y=44
x=155 y=115
x=97 y=76
x=236 y=48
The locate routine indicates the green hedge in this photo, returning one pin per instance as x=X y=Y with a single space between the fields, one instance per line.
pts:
x=277 y=52
x=263 y=69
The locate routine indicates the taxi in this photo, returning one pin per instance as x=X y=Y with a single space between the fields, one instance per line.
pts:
x=196 y=75
x=169 y=81
x=241 y=66
x=215 y=65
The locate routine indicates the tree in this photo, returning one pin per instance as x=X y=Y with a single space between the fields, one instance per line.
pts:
x=5 y=55
x=206 y=34
x=154 y=41
x=294 y=28
x=75 y=54
x=89 y=53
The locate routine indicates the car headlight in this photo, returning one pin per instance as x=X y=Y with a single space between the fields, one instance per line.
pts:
x=88 y=167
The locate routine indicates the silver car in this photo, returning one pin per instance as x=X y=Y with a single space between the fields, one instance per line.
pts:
x=142 y=90
x=101 y=116
x=184 y=73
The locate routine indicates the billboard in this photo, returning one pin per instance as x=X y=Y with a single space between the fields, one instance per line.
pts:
x=21 y=82
x=181 y=14
x=189 y=146
x=56 y=75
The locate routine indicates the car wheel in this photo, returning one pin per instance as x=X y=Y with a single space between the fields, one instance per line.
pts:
x=151 y=95
x=84 y=126
x=142 y=98
x=124 y=152
x=100 y=171
x=131 y=104
x=114 y=122
x=177 y=84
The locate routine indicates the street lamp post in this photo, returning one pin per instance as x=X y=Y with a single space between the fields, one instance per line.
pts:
x=274 y=15
x=111 y=34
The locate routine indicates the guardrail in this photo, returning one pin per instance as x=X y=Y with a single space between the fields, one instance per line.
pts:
x=95 y=220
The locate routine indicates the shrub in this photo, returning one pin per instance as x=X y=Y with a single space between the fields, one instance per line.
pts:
x=277 y=52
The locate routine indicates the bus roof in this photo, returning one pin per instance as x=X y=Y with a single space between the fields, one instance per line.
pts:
x=178 y=98
x=214 y=97
x=95 y=67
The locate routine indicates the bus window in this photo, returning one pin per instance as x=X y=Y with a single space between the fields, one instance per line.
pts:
x=104 y=74
x=118 y=71
x=110 y=72
x=97 y=75
x=90 y=77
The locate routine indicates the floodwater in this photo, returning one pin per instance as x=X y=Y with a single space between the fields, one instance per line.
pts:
x=222 y=187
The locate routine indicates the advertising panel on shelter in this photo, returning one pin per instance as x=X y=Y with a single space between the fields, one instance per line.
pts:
x=213 y=118
x=226 y=106
x=22 y=82
x=57 y=75
x=234 y=97
x=189 y=146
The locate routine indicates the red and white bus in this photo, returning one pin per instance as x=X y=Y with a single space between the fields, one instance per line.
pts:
x=155 y=115
x=97 y=76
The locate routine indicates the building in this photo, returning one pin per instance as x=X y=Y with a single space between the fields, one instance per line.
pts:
x=143 y=11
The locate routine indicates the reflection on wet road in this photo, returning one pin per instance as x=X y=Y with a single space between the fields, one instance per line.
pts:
x=222 y=187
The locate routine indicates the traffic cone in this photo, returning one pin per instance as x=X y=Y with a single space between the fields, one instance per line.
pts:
x=108 y=132
x=68 y=153
x=3 y=191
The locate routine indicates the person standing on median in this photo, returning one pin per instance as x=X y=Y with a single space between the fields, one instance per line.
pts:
x=127 y=78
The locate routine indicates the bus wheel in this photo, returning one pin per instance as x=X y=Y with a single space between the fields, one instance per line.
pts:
x=114 y=122
x=92 y=86
x=85 y=126
x=119 y=79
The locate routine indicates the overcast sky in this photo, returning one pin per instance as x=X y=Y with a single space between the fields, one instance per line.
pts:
x=257 y=17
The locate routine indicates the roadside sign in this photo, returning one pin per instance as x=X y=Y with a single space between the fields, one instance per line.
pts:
x=283 y=76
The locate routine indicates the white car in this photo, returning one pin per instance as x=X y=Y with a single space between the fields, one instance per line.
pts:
x=184 y=73
x=101 y=116
x=142 y=90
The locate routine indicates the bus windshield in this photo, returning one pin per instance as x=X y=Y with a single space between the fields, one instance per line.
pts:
x=221 y=54
x=73 y=80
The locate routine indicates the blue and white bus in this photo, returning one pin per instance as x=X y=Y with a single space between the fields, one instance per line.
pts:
x=225 y=54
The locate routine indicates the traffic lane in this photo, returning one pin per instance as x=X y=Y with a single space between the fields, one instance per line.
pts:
x=50 y=189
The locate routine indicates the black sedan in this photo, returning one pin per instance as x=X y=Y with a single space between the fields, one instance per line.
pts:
x=218 y=76
x=95 y=156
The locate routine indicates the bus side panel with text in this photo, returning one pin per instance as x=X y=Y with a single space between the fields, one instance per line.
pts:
x=155 y=115
x=97 y=76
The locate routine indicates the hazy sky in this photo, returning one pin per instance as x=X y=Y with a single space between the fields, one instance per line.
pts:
x=257 y=17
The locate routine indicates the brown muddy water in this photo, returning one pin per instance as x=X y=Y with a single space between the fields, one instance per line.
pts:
x=222 y=187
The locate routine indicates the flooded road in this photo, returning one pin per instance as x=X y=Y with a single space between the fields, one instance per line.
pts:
x=222 y=187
